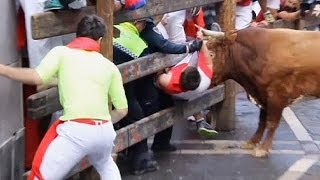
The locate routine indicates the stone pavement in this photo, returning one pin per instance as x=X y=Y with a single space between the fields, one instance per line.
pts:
x=295 y=154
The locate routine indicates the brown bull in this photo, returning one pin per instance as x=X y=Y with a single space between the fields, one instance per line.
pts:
x=275 y=66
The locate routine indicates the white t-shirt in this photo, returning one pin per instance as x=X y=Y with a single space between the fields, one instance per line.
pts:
x=174 y=26
x=273 y=4
x=194 y=60
x=243 y=16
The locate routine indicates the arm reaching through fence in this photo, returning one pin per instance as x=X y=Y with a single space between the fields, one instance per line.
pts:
x=316 y=10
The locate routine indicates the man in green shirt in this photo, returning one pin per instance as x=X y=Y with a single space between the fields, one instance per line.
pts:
x=85 y=80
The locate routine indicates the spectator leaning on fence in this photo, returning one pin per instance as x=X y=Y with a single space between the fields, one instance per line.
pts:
x=157 y=43
x=289 y=10
x=85 y=80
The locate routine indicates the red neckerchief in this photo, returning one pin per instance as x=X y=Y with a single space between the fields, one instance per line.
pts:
x=244 y=3
x=84 y=43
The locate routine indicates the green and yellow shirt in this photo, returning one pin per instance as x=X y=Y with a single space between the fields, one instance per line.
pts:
x=85 y=79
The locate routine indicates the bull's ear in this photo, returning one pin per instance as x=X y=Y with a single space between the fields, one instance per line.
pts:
x=230 y=36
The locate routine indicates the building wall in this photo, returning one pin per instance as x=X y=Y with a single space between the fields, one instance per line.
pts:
x=11 y=121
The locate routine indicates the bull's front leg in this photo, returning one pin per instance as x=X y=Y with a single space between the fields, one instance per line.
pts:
x=273 y=117
x=256 y=138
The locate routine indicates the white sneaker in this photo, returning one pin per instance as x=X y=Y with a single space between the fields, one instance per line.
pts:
x=191 y=119
x=77 y=4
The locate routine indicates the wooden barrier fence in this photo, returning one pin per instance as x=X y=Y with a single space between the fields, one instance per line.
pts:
x=221 y=98
x=50 y=24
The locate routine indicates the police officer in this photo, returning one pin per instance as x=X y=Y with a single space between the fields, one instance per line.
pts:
x=157 y=43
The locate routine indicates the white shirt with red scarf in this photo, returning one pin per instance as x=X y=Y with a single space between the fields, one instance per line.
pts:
x=206 y=74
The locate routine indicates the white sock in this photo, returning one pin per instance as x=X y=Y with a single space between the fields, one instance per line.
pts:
x=191 y=118
x=199 y=120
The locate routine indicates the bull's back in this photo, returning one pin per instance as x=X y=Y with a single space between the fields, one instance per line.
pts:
x=294 y=57
x=295 y=46
x=291 y=59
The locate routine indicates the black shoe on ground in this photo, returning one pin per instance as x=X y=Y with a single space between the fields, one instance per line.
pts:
x=205 y=129
x=163 y=148
x=145 y=166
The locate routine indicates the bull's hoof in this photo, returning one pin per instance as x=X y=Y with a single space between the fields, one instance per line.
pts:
x=248 y=145
x=258 y=152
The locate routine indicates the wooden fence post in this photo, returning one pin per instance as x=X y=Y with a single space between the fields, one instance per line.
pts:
x=105 y=11
x=224 y=112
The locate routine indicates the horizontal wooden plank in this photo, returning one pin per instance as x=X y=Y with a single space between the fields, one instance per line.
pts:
x=161 y=120
x=302 y=23
x=61 y=22
x=143 y=66
x=46 y=102
x=283 y=24
x=309 y=21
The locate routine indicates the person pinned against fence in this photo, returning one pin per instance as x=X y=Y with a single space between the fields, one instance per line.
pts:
x=157 y=43
x=188 y=79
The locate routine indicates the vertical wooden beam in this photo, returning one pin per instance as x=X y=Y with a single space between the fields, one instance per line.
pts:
x=225 y=111
x=105 y=10
x=227 y=16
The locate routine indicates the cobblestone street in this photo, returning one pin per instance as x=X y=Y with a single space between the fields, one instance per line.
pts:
x=295 y=153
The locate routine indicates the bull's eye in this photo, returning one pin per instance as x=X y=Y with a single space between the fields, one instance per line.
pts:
x=211 y=54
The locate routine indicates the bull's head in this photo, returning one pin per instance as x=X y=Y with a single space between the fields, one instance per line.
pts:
x=218 y=46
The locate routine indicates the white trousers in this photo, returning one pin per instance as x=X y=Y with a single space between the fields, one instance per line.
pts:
x=58 y=154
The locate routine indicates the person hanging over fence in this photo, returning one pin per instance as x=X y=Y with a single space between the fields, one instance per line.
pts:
x=85 y=79
x=189 y=78
x=176 y=33
x=157 y=43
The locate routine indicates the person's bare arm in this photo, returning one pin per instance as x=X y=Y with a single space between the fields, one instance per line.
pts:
x=263 y=5
x=117 y=97
x=289 y=16
x=24 y=75
x=118 y=114
x=52 y=83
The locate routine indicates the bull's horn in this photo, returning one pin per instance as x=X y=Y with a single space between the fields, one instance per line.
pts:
x=212 y=33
